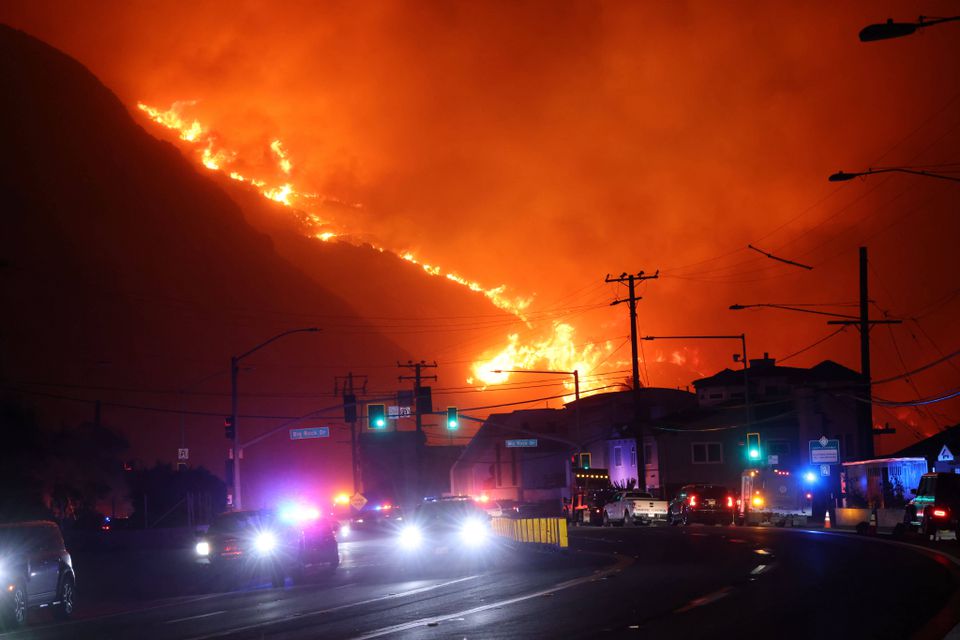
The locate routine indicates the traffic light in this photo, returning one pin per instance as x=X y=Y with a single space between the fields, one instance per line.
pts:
x=453 y=419
x=349 y=408
x=228 y=429
x=754 y=453
x=377 y=416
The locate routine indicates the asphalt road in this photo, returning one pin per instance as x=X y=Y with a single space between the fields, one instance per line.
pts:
x=693 y=582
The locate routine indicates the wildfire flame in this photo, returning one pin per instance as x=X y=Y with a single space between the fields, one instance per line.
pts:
x=557 y=351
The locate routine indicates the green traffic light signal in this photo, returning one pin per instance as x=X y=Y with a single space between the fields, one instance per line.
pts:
x=377 y=416
x=754 y=452
x=453 y=418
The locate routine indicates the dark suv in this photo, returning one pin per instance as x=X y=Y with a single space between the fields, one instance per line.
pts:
x=240 y=545
x=937 y=505
x=704 y=503
x=35 y=571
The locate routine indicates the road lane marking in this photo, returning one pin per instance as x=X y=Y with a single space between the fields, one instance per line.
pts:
x=197 y=617
x=621 y=564
x=705 y=600
x=760 y=568
x=310 y=614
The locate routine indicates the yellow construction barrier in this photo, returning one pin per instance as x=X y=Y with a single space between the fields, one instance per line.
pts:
x=551 y=531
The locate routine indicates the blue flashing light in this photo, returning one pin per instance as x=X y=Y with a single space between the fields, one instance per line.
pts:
x=810 y=476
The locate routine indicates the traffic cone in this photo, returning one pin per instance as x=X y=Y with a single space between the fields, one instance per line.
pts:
x=872 y=529
x=826 y=519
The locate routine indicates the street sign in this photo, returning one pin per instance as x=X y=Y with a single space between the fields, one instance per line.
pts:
x=773 y=459
x=522 y=442
x=183 y=454
x=396 y=413
x=824 y=451
x=824 y=469
x=309 y=432
x=945 y=455
x=357 y=501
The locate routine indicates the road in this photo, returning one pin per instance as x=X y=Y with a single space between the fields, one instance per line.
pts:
x=645 y=582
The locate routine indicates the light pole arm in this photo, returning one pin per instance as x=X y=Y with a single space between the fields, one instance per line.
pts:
x=274 y=339
x=842 y=176
x=740 y=307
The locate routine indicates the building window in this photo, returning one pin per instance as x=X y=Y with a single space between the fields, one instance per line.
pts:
x=707 y=452
x=647 y=454
x=617 y=457
x=633 y=457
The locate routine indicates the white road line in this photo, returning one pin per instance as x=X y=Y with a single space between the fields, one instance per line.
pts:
x=202 y=615
x=309 y=614
x=758 y=569
x=621 y=564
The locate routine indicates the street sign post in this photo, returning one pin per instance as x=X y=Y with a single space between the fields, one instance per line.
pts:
x=308 y=433
x=824 y=451
x=522 y=442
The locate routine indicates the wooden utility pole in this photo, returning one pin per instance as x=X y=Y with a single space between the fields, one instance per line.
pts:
x=631 y=281
x=417 y=378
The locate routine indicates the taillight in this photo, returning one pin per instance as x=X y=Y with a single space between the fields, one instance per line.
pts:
x=729 y=501
x=939 y=513
x=693 y=501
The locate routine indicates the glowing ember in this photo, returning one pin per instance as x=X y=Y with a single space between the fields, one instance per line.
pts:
x=282 y=159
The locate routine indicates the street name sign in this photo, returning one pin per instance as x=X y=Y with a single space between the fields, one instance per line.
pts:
x=308 y=433
x=824 y=451
x=522 y=442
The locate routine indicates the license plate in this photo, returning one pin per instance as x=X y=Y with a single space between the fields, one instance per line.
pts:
x=710 y=503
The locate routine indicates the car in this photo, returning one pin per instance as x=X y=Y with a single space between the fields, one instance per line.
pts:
x=634 y=507
x=291 y=541
x=456 y=527
x=377 y=514
x=35 y=571
x=703 y=503
x=936 y=506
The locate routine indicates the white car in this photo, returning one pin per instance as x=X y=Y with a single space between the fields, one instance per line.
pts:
x=634 y=507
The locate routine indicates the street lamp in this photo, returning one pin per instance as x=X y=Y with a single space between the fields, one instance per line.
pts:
x=234 y=371
x=843 y=176
x=576 y=388
x=739 y=307
x=890 y=29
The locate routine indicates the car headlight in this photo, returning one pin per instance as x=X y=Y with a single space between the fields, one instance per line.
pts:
x=411 y=537
x=474 y=532
x=203 y=548
x=265 y=542
x=344 y=530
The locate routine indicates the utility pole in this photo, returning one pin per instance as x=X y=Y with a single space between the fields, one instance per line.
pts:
x=417 y=378
x=631 y=281
x=865 y=408
x=350 y=415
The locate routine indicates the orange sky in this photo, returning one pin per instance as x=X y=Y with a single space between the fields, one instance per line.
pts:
x=543 y=145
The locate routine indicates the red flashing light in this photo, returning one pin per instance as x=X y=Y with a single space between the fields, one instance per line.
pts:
x=939 y=513
x=729 y=501
x=809 y=496
x=693 y=501
x=387 y=507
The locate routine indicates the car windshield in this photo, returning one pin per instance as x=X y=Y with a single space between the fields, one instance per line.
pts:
x=709 y=492
x=928 y=486
x=451 y=511
x=238 y=522
x=14 y=538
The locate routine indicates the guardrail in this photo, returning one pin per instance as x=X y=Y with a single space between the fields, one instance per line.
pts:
x=547 y=531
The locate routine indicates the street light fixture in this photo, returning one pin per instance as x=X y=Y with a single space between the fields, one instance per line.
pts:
x=843 y=176
x=576 y=387
x=890 y=29
x=234 y=372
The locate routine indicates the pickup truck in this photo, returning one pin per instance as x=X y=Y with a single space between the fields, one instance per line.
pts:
x=634 y=507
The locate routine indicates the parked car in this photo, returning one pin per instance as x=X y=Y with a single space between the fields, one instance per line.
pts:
x=937 y=505
x=267 y=543
x=703 y=503
x=35 y=571
x=634 y=507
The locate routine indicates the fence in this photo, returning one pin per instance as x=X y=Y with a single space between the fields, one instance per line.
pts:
x=548 y=531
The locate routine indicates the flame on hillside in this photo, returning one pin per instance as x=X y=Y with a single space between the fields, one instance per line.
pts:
x=555 y=352
x=558 y=352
